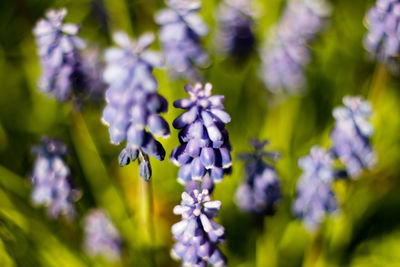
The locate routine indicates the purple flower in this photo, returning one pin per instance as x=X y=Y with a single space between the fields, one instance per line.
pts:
x=205 y=147
x=303 y=19
x=315 y=197
x=180 y=35
x=235 y=36
x=133 y=104
x=101 y=237
x=197 y=234
x=351 y=135
x=283 y=66
x=382 y=40
x=59 y=46
x=286 y=53
x=50 y=179
x=93 y=68
x=261 y=191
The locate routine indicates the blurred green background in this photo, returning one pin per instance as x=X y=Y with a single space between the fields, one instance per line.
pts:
x=365 y=232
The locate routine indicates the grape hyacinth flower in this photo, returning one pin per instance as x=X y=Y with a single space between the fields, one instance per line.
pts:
x=315 y=197
x=283 y=66
x=63 y=75
x=133 y=104
x=101 y=237
x=351 y=135
x=286 y=52
x=205 y=147
x=180 y=35
x=51 y=179
x=261 y=191
x=235 y=36
x=197 y=234
x=93 y=67
x=383 y=40
x=303 y=19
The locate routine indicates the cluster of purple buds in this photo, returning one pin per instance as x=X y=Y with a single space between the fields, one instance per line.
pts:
x=383 y=40
x=203 y=155
x=51 y=179
x=180 y=35
x=286 y=53
x=205 y=147
x=197 y=235
x=351 y=135
x=101 y=237
x=235 y=36
x=133 y=104
x=315 y=197
x=261 y=191
x=63 y=75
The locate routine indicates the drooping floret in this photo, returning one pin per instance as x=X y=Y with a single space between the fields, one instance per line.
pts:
x=133 y=104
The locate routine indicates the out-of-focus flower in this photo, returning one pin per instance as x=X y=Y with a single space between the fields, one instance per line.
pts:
x=303 y=19
x=235 y=35
x=286 y=54
x=205 y=146
x=59 y=49
x=261 y=190
x=382 y=40
x=315 y=197
x=93 y=68
x=133 y=104
x=351 y=135
x=283 y=65
x=197 y=234
x=50 y=179
x=180 y=35
x=101 y=237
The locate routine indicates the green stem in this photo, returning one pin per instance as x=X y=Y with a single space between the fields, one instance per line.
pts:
x=378 y=83
x=119 y=12
x=104 y=190
x=146 y=197
x=259 y=225
x=146 y=218
x=315 y=249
